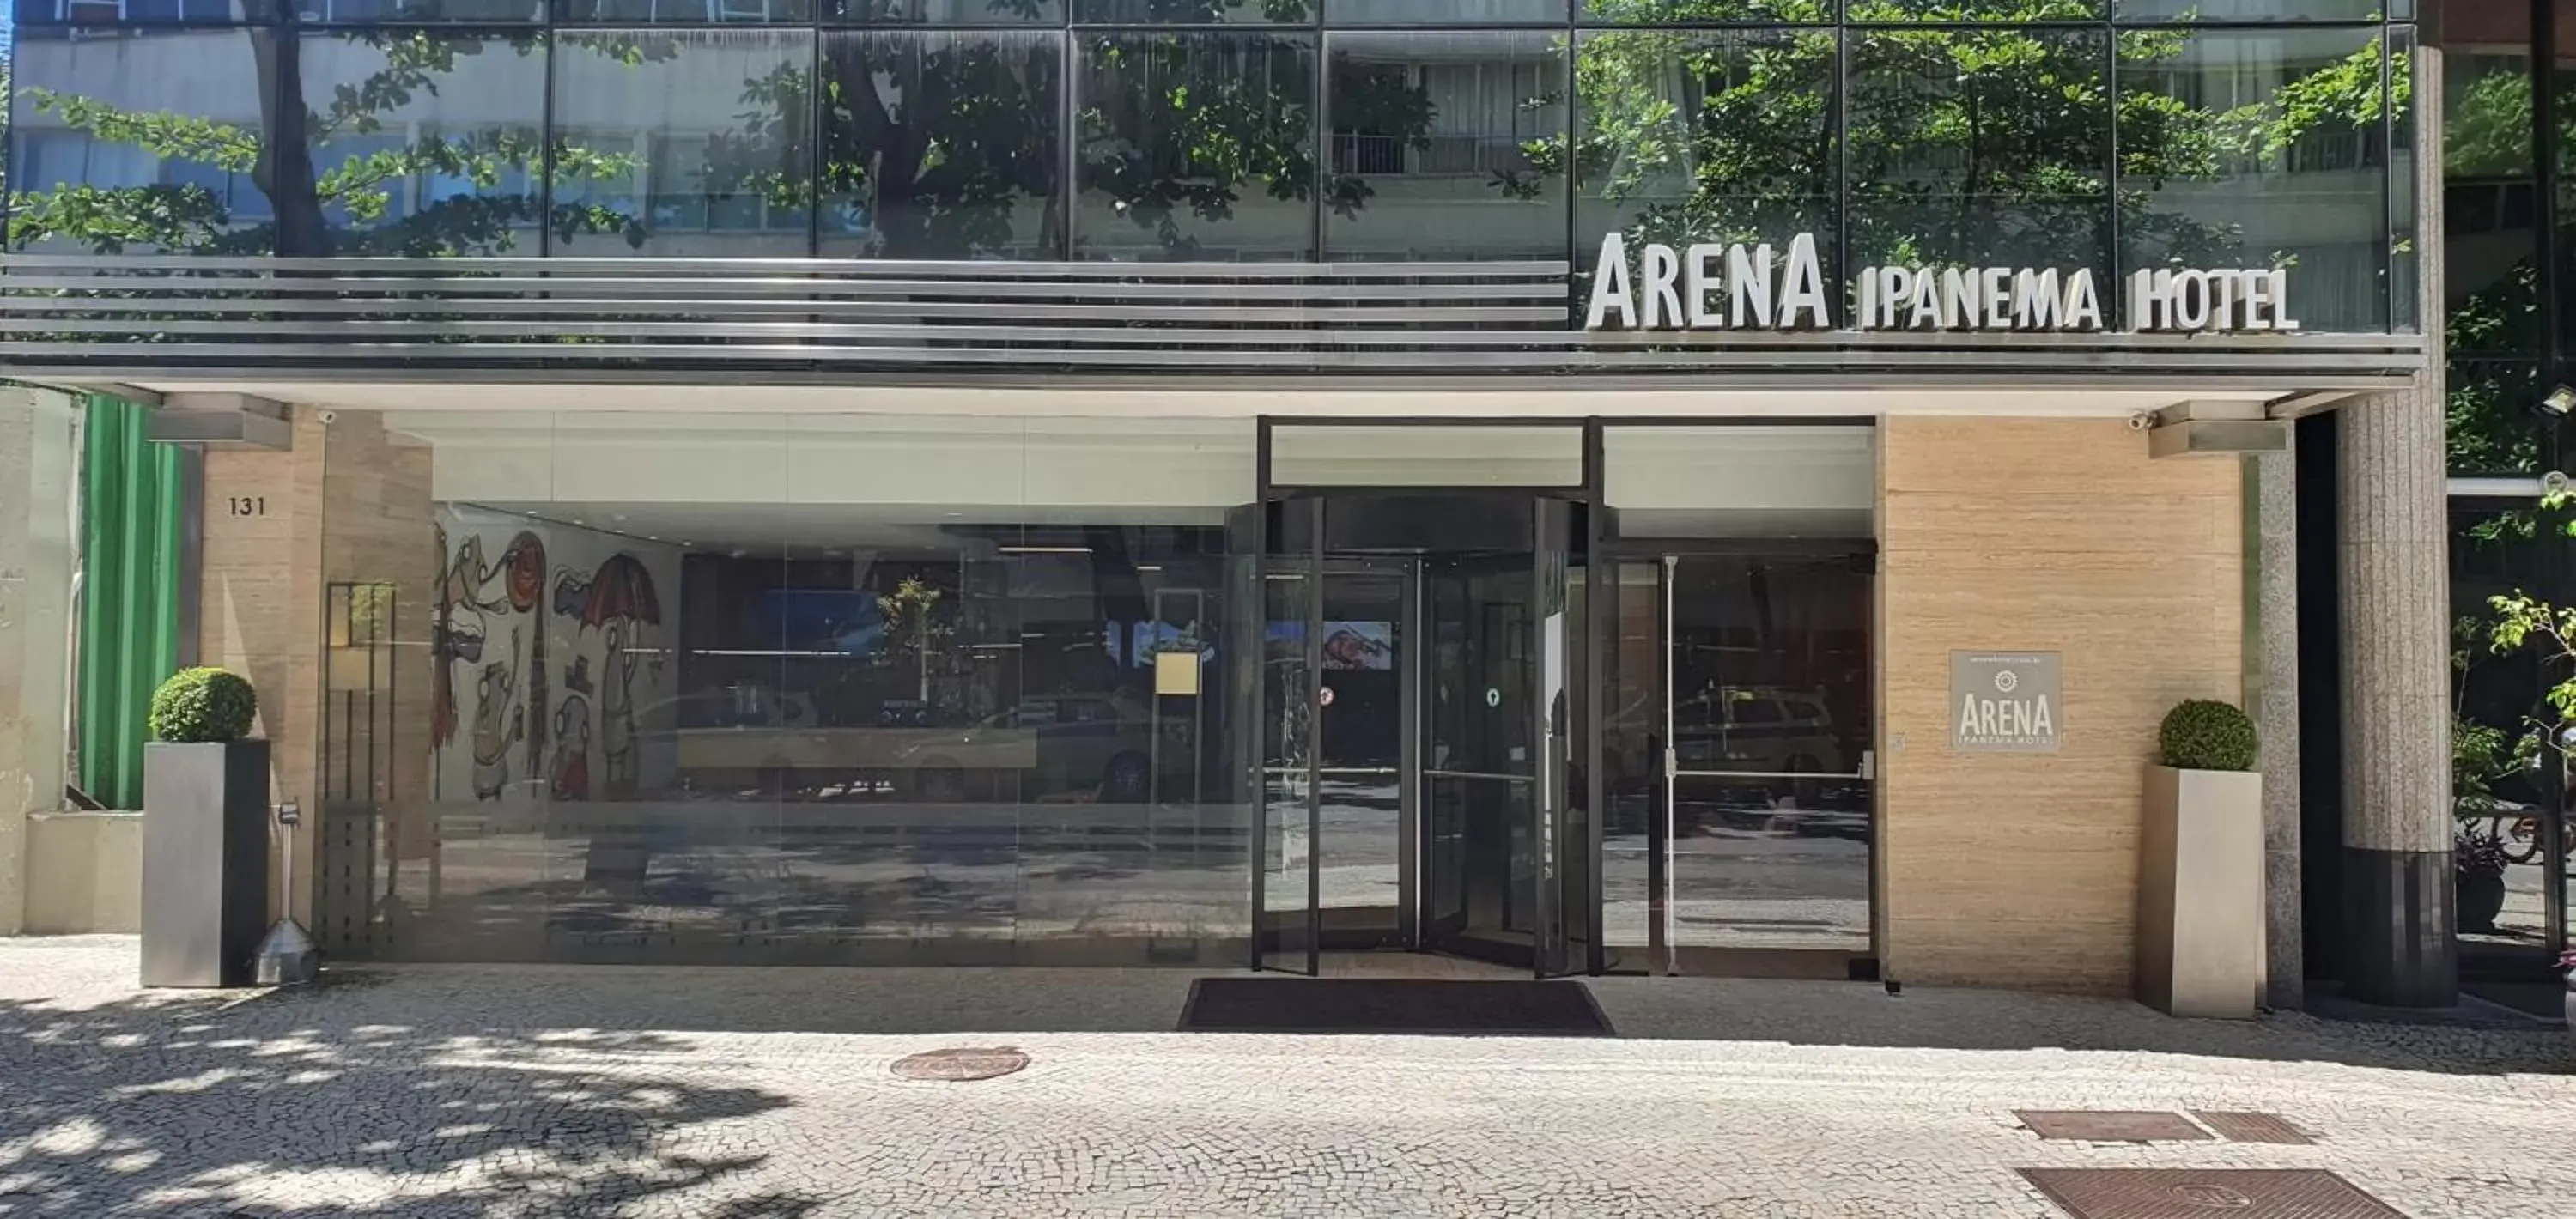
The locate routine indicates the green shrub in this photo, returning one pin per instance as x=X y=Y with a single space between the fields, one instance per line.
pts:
x=202 y=705
x=2203 y=734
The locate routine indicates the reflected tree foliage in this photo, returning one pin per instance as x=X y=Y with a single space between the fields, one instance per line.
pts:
x=1976 y=143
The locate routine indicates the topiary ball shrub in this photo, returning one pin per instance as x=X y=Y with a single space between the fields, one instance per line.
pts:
x=200 y=706
x=2204 y=734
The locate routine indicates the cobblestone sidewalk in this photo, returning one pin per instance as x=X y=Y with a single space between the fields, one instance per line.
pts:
x=732 y=1094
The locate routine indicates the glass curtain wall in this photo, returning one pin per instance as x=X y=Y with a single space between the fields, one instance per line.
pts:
x=2509 y=194
x=2105 y=134
x=836 y=689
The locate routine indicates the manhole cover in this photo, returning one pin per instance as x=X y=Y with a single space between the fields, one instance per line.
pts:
x=961 y=1065
x=2211 y=1193
x=2253 y=1127
x=2110 y=1125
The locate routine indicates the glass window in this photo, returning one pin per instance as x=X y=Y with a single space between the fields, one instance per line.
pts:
x=120 y=12
x=2490 y=426
x=941 y=144
x=1446 y=146
x=687 y=12
x=2270 y=11
x=765 y=689
x=2260 y=149
x=1196 y=146
x=1666 y=12
x=690 y=143
x=949 y=12
x=1444 y=12
x=1360 y=455
x=1685 y=136
x=354 y=12
x=1193 y=12
x=1980 y=147
x=1891 y=11
x=1740 y=481
x=90 y=173
x=432 y=153
x=2505 y=781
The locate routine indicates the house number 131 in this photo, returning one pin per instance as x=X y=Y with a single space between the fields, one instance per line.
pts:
x=249 y=505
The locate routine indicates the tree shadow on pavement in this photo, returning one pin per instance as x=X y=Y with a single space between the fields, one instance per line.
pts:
x=274 y=1107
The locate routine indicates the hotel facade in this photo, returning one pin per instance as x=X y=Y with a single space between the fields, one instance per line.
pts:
x=1611 y=487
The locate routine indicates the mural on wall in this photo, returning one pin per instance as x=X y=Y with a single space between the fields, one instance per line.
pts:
x=597 y=607
x=617 y=601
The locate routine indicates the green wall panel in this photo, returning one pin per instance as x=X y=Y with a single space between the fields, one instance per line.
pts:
x=130 y=515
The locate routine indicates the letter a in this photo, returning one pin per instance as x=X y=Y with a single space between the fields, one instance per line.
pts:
x=1610 y=286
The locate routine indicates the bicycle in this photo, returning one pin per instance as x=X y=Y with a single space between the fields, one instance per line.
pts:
x=2522 y=837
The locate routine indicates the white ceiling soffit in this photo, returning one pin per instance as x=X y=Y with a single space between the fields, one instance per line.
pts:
x=1005 y=400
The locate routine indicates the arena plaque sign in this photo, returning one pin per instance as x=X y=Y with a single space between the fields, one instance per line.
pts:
x=2004 y=702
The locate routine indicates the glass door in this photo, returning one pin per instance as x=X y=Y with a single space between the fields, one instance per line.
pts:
x=1767 y=729
x=1496 y=832
x=1287 y=930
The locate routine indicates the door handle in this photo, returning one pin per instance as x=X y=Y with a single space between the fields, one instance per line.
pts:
x=1868 y=764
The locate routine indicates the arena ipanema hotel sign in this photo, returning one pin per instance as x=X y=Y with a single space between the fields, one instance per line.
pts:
x=1744 y=287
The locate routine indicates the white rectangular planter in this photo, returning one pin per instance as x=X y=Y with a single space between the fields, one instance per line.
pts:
x=2200 y=893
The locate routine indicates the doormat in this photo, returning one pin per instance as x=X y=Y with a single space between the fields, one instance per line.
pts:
x=2194 y=1193
x=1450 y=1007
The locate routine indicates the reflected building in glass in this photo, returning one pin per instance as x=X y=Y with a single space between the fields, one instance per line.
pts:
x=1137 y=481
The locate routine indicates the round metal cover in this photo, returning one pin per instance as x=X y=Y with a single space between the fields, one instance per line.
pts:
x=962 y=1064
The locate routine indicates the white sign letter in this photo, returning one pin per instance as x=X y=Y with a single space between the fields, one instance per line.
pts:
x=1695 y=285
x=1997 y=283
x=1610 y=286
x=2280 y=299
x=1748 y=278
x=2035 y=300
x=2083 y=309
x=1805 y=293
x=1658 y=278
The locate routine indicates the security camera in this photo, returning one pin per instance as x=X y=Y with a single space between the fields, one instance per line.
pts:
x=2142 y=421
x=328 y=416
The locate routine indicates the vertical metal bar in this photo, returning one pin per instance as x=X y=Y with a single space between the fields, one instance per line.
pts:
x=817 y=154
x=2116 y=257
x=1600 y=620
x=1320 y=144
x=1314 y=734
x=1547 y=930
x=1069 y=68
x=1842 y=209
x=1660 y=897
x=545 y=152
x=2545 y=181
x=1411 y=830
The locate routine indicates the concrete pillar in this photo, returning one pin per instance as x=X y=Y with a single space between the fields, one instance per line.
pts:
x=37 y=461
x=2392 y=508
x=2272 y=698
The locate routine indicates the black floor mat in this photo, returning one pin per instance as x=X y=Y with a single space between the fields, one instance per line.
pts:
x=1392 y=1005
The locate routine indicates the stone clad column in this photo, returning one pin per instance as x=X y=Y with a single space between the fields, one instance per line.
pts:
x=2392 y=511
x=2272 y=698
x=36 y=463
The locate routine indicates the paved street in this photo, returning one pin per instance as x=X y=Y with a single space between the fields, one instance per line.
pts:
x=532 y=1091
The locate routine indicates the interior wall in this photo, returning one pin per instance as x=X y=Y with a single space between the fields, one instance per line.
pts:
x=2038 y=535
